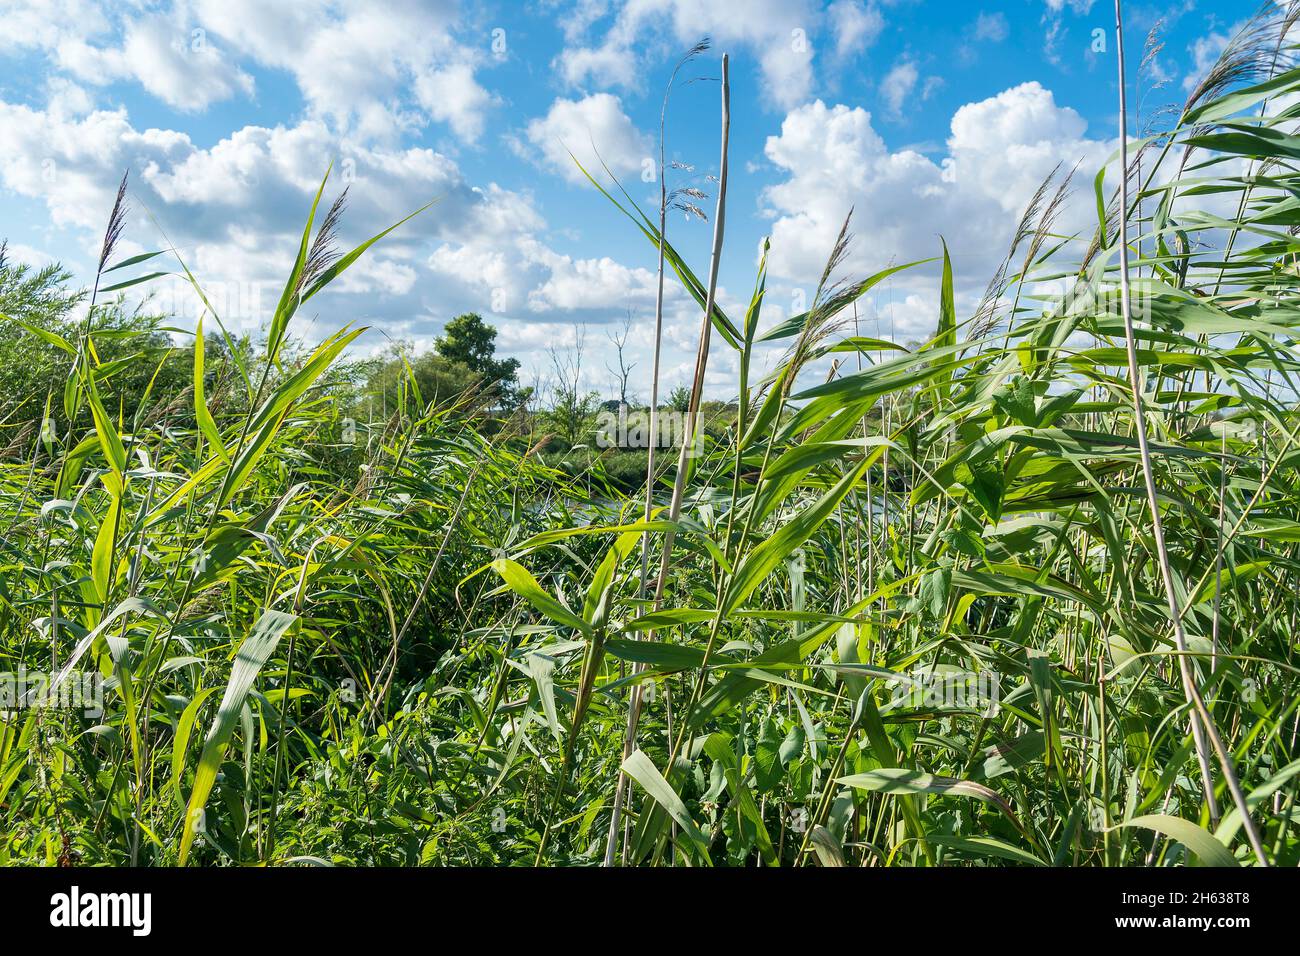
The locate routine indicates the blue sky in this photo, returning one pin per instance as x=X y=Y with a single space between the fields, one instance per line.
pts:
x=929 y=117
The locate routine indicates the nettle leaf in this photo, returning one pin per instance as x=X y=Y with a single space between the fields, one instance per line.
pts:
x=985 y=482
x=792 y=745
x=767 y=757
x=966 y=538
x=932 y=593
x=1015 y=399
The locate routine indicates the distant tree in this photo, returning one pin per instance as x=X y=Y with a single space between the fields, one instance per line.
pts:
x=679 y=399
x=624 y=370
x=129 y=345
x=574 y=408
x=470 y=342
x=437 y=380
x=30 y=367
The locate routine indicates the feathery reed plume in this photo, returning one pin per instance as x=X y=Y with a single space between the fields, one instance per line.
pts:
x=985 y=317
x=324 y=250
x=829 y=302
x=1253 y=53
x=1047 y=219
x=1035 y=238
x=1256 y=52
x=112 y=233
x=116 y=223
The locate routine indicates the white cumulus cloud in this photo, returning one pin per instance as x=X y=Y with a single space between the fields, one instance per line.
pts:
x=998 y=152
x=778 y=34
x=594 y=128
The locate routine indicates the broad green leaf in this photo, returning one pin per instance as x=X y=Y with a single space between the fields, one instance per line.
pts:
x=254 y=651
x=1208 y=849
x=642 y=769
x=518 y=579
x=201 y=413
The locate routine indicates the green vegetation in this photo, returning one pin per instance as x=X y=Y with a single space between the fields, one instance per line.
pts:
x=914 y=613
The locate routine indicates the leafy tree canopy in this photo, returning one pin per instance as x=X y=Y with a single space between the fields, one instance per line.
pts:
x=471 y=342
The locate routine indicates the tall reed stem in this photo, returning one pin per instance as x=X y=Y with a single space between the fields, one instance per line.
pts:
x=636 y=696
x=701 y=364
x=1206 y=726
x=702 y=352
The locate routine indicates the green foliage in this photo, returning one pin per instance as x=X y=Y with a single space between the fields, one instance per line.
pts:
x=399 y=381
x=911 y=615
x=462 y=371
x=470 y=342
x=131 y=347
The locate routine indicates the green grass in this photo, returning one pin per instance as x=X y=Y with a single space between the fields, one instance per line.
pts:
x=419 y=645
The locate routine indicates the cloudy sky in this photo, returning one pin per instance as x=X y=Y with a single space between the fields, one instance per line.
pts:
x=928 y=117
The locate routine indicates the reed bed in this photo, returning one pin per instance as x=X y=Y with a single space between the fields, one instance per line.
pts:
x=1022 y=595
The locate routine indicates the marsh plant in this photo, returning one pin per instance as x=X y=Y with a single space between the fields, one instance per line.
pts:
x=1021 y=594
